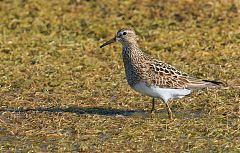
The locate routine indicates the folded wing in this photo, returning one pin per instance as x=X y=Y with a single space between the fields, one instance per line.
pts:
x=167 y=76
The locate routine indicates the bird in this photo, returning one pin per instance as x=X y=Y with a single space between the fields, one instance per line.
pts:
x=153 y=77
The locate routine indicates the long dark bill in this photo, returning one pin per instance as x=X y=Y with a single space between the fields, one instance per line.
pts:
x=108 y=42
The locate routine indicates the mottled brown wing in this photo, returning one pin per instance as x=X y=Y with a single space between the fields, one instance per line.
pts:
x=167 y=76
x=163 y=75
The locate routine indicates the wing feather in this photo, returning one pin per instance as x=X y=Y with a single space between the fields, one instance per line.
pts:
x=166 y=76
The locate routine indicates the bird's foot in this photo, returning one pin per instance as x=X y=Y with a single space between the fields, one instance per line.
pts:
x=153 y=111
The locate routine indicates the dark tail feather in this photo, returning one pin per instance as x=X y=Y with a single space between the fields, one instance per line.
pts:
x=213 y=82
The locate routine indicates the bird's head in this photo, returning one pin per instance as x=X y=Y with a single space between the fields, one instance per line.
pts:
x=125 y=36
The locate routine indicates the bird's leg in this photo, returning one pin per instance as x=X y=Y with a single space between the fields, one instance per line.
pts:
x=153 y=106
x=169 y=111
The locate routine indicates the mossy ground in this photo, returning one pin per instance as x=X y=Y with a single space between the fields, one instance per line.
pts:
x=60 y=93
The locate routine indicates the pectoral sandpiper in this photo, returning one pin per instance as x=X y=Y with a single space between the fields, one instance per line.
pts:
x=152 y=77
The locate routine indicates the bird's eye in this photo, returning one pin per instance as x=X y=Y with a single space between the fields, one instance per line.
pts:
x=124 y=33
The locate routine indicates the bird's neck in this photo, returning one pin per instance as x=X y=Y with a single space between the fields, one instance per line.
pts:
x=133 y=57
x=130 y=50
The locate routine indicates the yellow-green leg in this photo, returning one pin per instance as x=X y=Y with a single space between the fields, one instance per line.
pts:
x=153 y=106
x=169 y=111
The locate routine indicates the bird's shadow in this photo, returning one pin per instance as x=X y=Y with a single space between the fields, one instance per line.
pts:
x=79 y=110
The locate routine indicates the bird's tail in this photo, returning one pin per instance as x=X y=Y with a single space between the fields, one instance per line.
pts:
x=199 y=84
x=214 y=83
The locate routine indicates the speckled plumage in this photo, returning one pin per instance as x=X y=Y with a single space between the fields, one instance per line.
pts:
x=141 y=67
x=153 y=77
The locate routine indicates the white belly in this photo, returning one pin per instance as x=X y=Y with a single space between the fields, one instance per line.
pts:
x=164 y=93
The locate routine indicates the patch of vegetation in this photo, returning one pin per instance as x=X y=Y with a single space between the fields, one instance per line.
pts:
x=60 y=93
